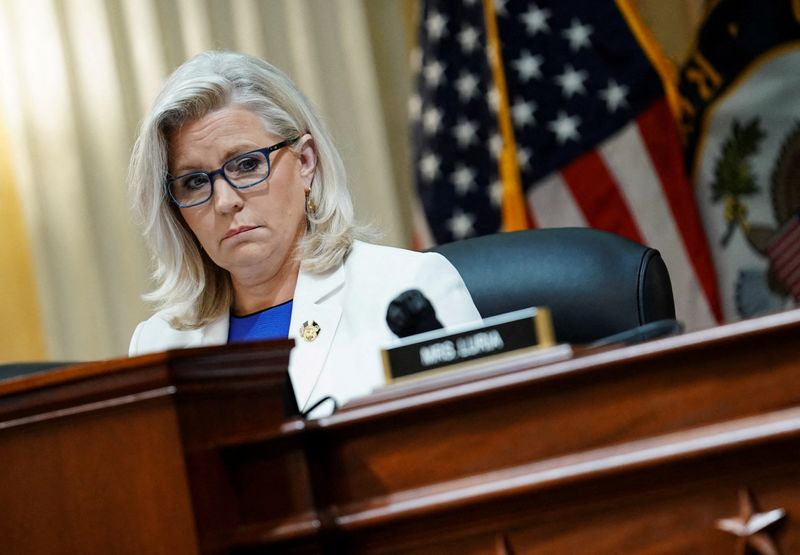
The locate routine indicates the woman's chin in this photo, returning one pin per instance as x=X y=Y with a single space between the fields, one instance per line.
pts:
x=246 y=256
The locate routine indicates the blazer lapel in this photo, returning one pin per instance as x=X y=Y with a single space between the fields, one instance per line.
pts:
x=317 y=299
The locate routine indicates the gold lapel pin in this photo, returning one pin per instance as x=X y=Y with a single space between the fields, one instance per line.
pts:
x=310 y=330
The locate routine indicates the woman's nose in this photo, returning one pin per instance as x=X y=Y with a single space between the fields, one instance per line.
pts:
x=225 y=198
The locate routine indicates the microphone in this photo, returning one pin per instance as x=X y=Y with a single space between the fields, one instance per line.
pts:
x=411 y=313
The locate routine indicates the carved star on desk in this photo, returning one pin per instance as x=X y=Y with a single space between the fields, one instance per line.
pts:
x=750 y=526
x=502 y=546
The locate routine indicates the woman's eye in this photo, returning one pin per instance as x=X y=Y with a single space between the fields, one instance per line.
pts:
x=247 y=165
x=195 y=181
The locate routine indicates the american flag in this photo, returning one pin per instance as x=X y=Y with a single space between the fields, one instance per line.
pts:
x=594 y=139
x=784 y=252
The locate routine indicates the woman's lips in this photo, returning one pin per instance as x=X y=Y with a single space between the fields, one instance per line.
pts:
x=237 y=230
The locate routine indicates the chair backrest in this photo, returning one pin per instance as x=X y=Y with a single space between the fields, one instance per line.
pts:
x=17 y=369
x=595 y=283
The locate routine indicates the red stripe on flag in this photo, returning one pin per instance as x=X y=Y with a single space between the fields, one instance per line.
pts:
x=784 y=251
x=656 y=125
x=532 y=223
x=788 y=238
x=789 y=263
x=792 y=282
x=789 y=274
x=595 y=192
x=785 y=256
x=793 y=261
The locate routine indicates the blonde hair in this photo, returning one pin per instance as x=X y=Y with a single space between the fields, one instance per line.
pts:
x=188 y=284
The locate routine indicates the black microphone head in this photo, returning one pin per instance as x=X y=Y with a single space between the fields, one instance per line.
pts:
x=411 y=313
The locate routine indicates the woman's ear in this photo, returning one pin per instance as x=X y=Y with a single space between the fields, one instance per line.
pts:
x=308 y=159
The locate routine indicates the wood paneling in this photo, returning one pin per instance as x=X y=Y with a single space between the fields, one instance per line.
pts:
x=641 y=449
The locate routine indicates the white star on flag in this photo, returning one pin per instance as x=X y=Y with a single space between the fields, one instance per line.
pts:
x=522 y=112
x=565 y=127
x=524 y=158
x=500 y=7
x=535 y=20
x=571 y=81
x=495 y=145
x=432 y=120
x=468 y=39
x=429 y=166
x=461 y=224
x=578 y=35
x=465 y=133
x=436 y=25
x=463 y=179
x=615 y=96
x=467 y=86
x=496 y=193
x=433 y=72
x=493 y=97
x=528 y=67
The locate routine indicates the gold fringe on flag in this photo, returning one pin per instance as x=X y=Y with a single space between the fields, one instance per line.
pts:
x=663 y=66
x=514 y=213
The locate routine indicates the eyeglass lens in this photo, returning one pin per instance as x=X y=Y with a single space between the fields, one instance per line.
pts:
x=240 y=172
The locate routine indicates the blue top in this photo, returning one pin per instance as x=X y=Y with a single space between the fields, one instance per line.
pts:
x=270 y=323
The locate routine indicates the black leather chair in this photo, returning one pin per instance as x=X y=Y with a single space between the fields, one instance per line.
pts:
x=17 y=369
x=596 y=284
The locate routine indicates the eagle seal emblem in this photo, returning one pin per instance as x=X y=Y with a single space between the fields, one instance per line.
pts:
x=310 y=330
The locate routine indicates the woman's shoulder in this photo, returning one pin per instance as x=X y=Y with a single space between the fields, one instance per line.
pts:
x=158 y=322
x=158 y=334
x=388 y=262
x=380 y=273
x=363 y=250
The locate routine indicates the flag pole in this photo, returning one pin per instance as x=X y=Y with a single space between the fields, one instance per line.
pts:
x=514 y=214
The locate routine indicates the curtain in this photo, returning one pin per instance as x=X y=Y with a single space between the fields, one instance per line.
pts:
x=20 y=325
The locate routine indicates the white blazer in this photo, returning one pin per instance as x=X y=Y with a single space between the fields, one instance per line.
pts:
x=349 y=305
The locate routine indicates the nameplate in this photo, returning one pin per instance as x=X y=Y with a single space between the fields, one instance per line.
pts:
x=450 y=348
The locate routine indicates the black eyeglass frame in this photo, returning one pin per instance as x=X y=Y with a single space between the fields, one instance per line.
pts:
x=221 y=171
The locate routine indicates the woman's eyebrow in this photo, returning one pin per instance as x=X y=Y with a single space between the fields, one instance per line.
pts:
x=232 y=152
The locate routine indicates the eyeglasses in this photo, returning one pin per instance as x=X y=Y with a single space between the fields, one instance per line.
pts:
x=241 y=172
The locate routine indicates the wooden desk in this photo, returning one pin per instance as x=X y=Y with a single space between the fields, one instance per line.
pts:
x=635 y=450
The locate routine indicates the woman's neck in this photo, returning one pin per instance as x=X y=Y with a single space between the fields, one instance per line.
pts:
x=254 y=294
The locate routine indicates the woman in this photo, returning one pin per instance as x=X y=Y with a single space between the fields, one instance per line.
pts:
x=245 y=207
